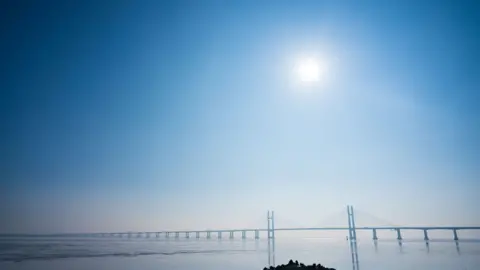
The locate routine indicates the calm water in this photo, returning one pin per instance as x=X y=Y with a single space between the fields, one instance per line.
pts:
x=140 y=253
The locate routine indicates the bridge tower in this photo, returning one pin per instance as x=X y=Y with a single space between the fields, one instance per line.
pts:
x=271 y=238
x=270 y=225
x=352 y=237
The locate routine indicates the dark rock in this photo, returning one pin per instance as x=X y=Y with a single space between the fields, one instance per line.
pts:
x=296 y=265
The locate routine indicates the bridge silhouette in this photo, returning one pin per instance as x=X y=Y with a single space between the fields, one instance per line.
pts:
x=289 y=225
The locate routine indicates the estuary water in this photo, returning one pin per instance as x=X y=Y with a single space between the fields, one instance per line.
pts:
x=109 y=253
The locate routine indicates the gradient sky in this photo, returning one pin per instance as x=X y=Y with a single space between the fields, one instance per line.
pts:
x=120 y=115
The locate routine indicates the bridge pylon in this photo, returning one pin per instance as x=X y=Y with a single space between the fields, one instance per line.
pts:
x=270 y=225
x=352 y=234
x=271 y=238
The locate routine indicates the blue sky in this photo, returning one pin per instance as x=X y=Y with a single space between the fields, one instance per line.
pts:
x=145 y=116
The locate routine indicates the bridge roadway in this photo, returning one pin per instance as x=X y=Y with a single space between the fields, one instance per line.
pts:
x=318 y=229
x=219 y=232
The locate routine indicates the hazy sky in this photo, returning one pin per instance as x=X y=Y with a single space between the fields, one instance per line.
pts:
x=144 y=115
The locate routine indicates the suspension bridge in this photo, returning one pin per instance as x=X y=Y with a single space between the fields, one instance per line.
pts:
x=256 y=232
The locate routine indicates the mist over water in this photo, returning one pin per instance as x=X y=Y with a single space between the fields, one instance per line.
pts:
x=109 y=253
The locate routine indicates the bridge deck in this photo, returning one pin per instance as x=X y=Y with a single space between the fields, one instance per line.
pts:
x=316 y=229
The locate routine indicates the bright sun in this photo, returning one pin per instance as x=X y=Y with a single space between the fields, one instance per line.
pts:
x=310 y=70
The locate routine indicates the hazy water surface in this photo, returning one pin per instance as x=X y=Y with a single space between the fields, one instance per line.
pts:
x=40 y=253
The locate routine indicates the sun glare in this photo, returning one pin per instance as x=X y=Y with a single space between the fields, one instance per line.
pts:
x=309 y=70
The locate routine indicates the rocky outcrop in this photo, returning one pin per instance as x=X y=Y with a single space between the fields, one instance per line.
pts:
x=295 y=265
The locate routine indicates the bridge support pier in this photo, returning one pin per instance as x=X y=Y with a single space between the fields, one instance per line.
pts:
x=231 y=235
x=167 y=235
x=257 y=236
x=219 y=235
x=455 y=236
x=187 y=235
x=139 y=235
x=197 y=235
x=209 y=235
x=157 y=234
x=425 y=235
x=399 y=235
x=375 y=234
x=147 y=235
x=177 y=234
x=244 y=235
